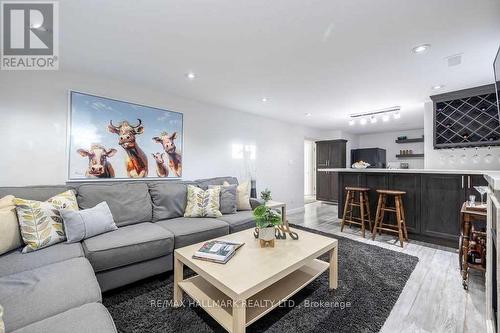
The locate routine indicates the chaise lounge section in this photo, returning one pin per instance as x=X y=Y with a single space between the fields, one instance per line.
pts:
x=58 y=288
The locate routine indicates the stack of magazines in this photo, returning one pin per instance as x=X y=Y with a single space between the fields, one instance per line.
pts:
x=219 y=251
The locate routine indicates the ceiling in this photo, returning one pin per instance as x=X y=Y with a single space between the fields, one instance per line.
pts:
x=328 y=58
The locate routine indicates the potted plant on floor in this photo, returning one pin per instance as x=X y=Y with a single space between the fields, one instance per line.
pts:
x=266 y=219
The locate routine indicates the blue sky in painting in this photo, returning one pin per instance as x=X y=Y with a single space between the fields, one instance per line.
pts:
x=90 y=116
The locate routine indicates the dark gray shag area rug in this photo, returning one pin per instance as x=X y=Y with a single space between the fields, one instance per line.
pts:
x=370 y=281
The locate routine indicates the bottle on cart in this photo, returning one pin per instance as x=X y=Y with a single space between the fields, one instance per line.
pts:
x=474 y=256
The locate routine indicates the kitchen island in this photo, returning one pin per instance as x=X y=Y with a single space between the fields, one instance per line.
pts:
x=432 y=202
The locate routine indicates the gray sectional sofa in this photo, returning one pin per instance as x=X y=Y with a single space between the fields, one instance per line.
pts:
x=58 y=289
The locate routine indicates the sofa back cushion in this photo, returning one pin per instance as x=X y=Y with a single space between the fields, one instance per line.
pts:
x=169 y=199
x=228 y=198
x=129 y=203
x=205 y=183
x=39 y=193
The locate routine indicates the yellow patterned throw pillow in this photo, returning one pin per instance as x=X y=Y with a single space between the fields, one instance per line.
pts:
x=40 y=221
x=202 y=203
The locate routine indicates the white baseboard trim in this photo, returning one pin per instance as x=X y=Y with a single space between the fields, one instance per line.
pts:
x=295 y=210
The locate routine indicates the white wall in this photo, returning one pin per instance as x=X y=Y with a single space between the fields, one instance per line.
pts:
x=309 y=168
x=352 y=143
x=459 y=159
x=387 y=141
x=33 y=113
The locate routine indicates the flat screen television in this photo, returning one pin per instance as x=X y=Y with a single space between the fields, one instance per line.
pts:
x=496 y=69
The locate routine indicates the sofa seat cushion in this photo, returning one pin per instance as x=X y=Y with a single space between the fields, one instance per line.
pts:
x=189 y=231
x=242 y=220
x=16 y=261
x=129 y=203
x=38 y=294
x=92 y=317
x=128 y=245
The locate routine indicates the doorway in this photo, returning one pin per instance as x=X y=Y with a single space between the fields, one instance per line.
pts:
x=309 y=171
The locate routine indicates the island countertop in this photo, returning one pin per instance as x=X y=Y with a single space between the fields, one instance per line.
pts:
x=441 y=171
x=492 y=176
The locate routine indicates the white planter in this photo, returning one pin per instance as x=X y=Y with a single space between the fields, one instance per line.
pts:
x=266 y=234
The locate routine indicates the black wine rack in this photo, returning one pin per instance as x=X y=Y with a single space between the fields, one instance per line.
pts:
x=466 y=118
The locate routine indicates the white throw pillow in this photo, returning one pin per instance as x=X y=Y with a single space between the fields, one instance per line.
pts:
x=10 y=236
x=242 y=195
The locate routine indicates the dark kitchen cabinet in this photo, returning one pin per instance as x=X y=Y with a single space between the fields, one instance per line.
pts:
x=327 y=183
x=322 y=154
x=329 y=154
x=441 y=198
x=335 y=186
x=323 y=186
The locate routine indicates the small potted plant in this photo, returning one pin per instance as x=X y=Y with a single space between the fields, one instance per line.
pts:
x=266 y=195
x=266 y=219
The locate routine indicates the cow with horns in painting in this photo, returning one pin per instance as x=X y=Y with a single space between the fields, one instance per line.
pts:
x=175 y=158
x=137 y=162
x=99 y=166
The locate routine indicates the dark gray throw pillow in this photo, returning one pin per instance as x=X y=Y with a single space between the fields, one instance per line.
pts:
x=227 y=198
x=87 y=223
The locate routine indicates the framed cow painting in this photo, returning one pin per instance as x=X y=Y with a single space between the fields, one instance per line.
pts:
x=110 y=139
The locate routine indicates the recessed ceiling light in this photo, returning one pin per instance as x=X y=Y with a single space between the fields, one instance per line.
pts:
x=373 y=119
x=437 y=87
x=363 y=121
x=264 y=99
x=397 y=115
x=385 y=117
x=307 y=114
x=191 y=75
x=352 y=122
x=421 y=48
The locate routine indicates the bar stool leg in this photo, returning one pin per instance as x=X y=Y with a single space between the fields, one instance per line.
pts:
x=382 y=212
x=362 y=212
x=352 y=203
x=346 y=205
x=400 y=219
x=405 y=231
x=377 y=216
x=367 y=203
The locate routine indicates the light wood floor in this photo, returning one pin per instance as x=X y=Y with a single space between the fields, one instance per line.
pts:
x=433 y=299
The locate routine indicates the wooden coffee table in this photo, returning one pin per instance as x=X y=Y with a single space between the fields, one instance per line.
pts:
x=256 y=280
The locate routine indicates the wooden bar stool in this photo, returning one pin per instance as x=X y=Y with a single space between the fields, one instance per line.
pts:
x=363 y=204
x=398 y=209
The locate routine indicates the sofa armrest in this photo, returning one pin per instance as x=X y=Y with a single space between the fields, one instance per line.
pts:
x=254 y=202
